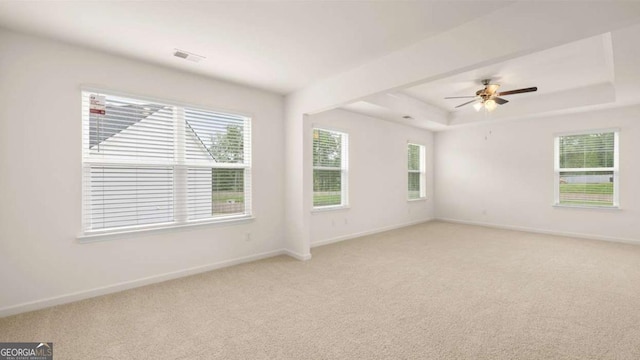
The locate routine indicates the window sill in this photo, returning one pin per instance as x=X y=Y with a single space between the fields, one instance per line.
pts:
x=587 y=207
x=330 y=208
x=159 y=229
x=418 y=199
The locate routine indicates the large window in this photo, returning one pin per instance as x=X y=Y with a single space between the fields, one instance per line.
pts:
x=416 y=169
x=329 y=168
x=150 y=163
x=586 y=168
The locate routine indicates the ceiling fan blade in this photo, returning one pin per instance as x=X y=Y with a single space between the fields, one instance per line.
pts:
x=460 y=97
x=518 y=91
x=500 y=101
x=467 y=103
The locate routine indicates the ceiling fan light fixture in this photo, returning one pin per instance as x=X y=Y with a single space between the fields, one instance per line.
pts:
x=478 y=106
x=492 y=88
x=490 y=105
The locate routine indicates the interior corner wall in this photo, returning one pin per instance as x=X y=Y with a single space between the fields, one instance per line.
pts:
x=502 y=174
x=41 y=262
x=297 y=229
x=377 y=178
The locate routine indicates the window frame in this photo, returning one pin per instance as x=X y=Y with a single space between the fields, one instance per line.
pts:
x=344 y=169
x=615 y=169
x=180 y=166
x=422 y=171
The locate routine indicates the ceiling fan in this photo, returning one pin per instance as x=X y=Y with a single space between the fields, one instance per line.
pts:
x=488 y=97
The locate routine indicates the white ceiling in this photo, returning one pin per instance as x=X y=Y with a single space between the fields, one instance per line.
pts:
x=280 y=46
x=388 y=59
x=581 y=75
x=575 y=65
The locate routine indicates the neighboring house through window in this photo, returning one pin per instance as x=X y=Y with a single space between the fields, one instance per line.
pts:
x=330 y=168
x=416 y=171
x=586 y=169
x=153 y=163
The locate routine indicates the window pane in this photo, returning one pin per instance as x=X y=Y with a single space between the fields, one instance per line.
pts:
x=327 y=148
x=587 y=151
x=414 y=185
x=586 y=188
x=327 y=187
x=131 y=129
x=214 y=137
x=415 y=154
x=214 y=192
x=414 y=157
x=227 y=191
x=125 y=196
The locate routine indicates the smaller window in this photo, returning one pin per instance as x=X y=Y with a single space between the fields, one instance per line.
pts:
x=416 y=175
x=586 y=169
x=329 y=168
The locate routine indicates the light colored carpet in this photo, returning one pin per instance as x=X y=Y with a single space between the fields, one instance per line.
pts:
x=431 y=291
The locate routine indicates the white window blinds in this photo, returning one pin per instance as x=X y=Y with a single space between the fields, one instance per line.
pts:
x=329 y=168
x=149 y=163
x=416 y=169
x=587 y=169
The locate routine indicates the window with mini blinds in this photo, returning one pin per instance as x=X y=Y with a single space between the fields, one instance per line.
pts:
x=149 y=163
x=586 y=168
x=416 y=172
x=330 y=167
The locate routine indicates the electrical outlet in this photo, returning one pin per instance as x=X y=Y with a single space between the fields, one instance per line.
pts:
x=247 y=236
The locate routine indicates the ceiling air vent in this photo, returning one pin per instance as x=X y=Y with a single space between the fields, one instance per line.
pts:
x=188 y=56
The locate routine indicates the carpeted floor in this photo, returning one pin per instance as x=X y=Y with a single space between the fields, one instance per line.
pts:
x=431 y=291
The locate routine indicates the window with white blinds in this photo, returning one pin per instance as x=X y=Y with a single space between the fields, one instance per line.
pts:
x=150 y=163
x=416 y=172
x=330 y=167
x=586 y=168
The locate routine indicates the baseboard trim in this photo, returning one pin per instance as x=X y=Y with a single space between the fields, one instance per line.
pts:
x=543 y=231
x=295 y=255
x=109 y=289
x=368 y=232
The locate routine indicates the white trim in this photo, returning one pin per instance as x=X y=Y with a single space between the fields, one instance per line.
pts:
x=587 y=207
x=543 y=231
x=321 y=126
x=100 y=235
x=166 y=164
x=586 y=132
x=101 y=90
x=603 y=169
x=368 y=232
x=297 y=256
x=321 y=209
x=104 y=290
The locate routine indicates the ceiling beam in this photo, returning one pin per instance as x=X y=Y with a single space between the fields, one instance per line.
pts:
x=405 y=105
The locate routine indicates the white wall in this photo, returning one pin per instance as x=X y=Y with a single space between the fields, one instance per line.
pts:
x=377 y=177
x=40 y=181
x=503 y=174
